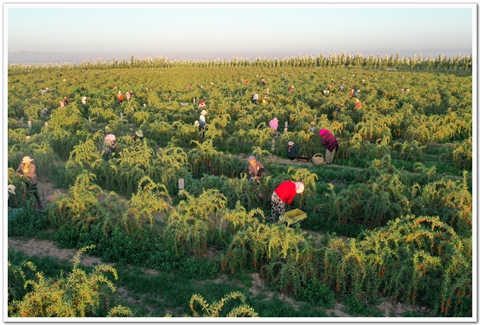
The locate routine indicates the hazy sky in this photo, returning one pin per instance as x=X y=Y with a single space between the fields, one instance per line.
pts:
x=241 y=30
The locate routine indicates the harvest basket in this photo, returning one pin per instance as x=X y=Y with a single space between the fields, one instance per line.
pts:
x=293 y=216
x=13 y=212
x=317 y=159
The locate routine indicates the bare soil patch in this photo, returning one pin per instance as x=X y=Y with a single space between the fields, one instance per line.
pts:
x=46 y=248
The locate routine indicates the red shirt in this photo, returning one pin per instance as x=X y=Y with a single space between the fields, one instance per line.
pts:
x=286 y=191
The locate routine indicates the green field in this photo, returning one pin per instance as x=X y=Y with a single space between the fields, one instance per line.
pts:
x=389 y=220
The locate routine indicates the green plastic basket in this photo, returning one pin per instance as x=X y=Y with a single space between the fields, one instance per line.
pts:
x=293 y=216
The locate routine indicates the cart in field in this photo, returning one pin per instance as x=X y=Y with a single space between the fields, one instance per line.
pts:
x=293 y=216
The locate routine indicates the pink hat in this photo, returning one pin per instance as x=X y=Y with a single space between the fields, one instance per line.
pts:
x=110 y=137
x=299 y=187
x=251 y=158
x=323 y=132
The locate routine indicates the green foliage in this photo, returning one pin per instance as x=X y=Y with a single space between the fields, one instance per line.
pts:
x=80 y=294
x=127 y=206
x=214 y=309
x=415 y=259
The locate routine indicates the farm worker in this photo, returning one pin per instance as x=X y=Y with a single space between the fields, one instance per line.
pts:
x=188 y=87
x=202 y=120
x=28 y=170
x=264 y=82
x=129 y=95
x=44 y=91
x=352 y=93
x=202 y=104
x=11 y=190
x=356 y=92
x=264 y=100
x=330 y=143
x=255 y=98
x=267 y=91
x=65 y=101
x=120 y=96
x=274 y=126
x=291 y=88
x=84 y=100
x=44 y=113
x=138 y=135
x=312 y=127
x=292 y=151
x=255 y=169
x=109 y=145
x=358 y=105
x=341 y=88
x=284 y=193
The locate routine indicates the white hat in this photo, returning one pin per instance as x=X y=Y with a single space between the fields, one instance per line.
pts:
x=11 y=188
x=204 y=112
x=299 y=187
x=196 y=123
x=139 y=133
x=26 y=159
x=291 y=143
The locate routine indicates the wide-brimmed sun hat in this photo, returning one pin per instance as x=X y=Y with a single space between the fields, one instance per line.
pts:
x=291 y=143
x=299 y=187
x=196 y=123
x=251 y=158
x=11 y=188
x=27 y=159
x=204 y=112
x=139 y=133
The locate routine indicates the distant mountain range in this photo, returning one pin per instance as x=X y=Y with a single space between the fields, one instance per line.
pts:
x=26 y=57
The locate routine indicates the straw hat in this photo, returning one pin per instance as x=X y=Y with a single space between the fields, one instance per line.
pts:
x=139 y=133
x=204 y=112
x=26 y=159
x=291 y=143
x=196 y=123
x=11 y=188
x=299 y=187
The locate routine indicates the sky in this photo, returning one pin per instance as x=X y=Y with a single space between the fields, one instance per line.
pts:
x=223 y=30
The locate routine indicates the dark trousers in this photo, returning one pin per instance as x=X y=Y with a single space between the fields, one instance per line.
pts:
x=33 y=190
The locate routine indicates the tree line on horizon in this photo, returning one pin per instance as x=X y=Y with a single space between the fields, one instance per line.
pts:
x=340 y=60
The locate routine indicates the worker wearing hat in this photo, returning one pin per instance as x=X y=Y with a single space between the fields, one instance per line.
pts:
x=284 y=193
x=255 y=169
x=202 y=120
x=11 y=190
x=28 y=170
x=138 y=135
x=109 y=145
x=330 y=143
